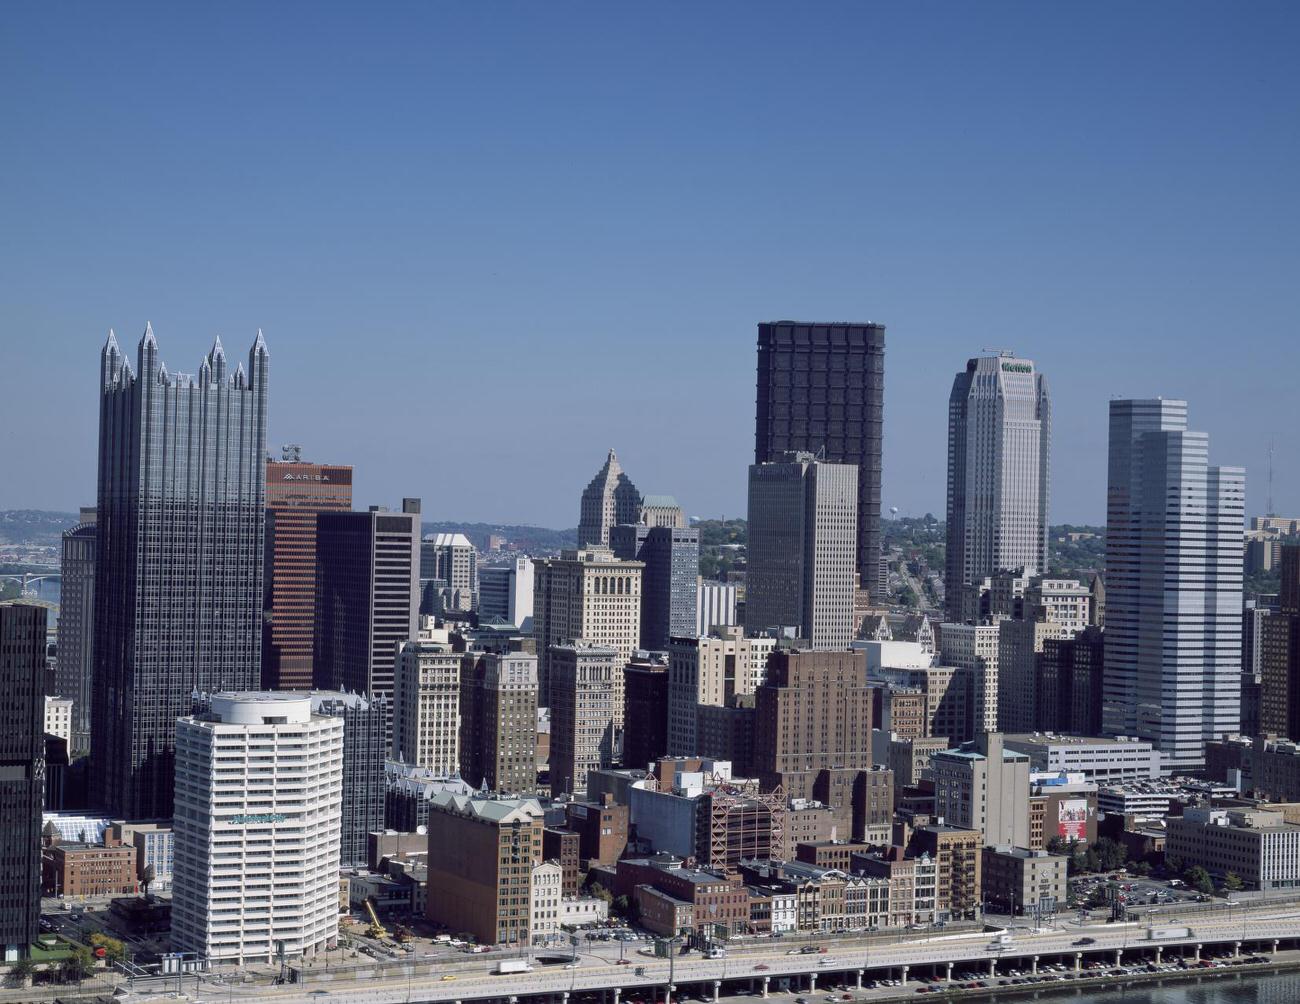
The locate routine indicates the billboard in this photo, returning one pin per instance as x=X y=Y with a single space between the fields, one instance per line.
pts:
x=1072 y=819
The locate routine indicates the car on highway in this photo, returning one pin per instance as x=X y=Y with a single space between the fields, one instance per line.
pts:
x=761 y=967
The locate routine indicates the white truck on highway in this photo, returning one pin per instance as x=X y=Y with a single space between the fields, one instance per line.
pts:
x=508 y=966
x=1160 y=933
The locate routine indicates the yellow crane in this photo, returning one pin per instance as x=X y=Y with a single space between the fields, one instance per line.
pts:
x=376 y=929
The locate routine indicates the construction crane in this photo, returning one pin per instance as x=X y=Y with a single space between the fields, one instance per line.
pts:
x=376 y=930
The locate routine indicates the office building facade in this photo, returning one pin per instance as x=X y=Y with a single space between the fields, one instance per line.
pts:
x=482 y=852
x=821 y=389
x=710 y=671
x=449 y=568
x=295 y=492
x=427 y=702
x=1279 y=655
x=498 y=749
x=715 y=606
x=975 y=649
x=812 y=713
x=584 y=736
x=1069 y=690
x=366 y=721
x=999 y=433
x=608 y=500
x=22 y=774
x=645 y=709
x=367 y=596
x=259 y=791
x=802 y=526
x=179 y=557
x=75 y=668
x=1173 y=584
x=984 y=787
x=587 y=594
x=506 y=593
x=671 y=556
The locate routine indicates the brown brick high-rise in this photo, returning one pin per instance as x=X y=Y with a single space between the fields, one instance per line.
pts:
x=295 y=493
x=813 y=712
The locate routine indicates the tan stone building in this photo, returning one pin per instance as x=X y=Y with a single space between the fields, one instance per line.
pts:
x=592 y=596
x=974 y=647
x=498 y=710
x=584 y=699
x=426 y=702
x=984 y=787
x=1017 y=881
x=482 y=852
x=710 y=671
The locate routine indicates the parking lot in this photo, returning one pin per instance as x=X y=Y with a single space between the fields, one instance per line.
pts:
x=1132 y=892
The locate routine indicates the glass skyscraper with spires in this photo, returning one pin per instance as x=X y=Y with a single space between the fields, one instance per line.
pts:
x=178 y=580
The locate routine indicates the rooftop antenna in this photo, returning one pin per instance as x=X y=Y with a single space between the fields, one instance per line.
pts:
x=1270 y=479
x=291 y=453
x=1002 y=353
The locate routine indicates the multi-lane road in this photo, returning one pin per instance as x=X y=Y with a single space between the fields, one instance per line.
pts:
x=749 y=970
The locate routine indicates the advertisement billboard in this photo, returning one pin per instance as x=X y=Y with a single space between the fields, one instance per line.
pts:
x=1072 y=819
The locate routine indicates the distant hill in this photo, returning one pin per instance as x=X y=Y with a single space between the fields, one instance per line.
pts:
x=537 y=540
x=34 y=526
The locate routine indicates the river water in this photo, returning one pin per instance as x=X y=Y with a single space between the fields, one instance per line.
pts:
x=1282 y=988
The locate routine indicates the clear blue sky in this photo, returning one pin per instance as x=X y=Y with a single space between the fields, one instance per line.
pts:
x=486 y=242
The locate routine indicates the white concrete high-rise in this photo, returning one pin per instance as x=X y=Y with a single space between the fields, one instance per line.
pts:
x=259 y=792
x=506 y=592
x=715 y=605
x=1173 y=584
x=999 y=432
x=803 y=521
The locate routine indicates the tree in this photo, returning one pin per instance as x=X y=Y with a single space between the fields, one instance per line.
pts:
x=1232 y=882
x=621 y=905
x=114 y=950
x=77 y=966
x=1199 y=879
x=600 y=892
x=22 y=970
x=147 y=877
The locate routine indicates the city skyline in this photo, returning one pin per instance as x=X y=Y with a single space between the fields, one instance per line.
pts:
x=964 y=212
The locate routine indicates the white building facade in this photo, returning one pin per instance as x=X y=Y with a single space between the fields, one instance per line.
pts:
x=257 y=829
x=999 y=432
x=1173 y=584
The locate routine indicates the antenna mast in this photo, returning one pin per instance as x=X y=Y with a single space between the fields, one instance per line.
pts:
x=1270 y=478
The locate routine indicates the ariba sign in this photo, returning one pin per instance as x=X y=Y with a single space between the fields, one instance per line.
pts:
x=305 y=477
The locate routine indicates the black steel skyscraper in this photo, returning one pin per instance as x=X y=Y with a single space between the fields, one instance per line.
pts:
x=22 y=772
x=821 y=388
x=178 y=578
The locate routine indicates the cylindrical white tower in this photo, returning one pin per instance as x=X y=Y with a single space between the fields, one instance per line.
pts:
x=258 y=809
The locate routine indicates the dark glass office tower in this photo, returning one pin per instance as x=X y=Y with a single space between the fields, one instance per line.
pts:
x=22 y=773
x=74 y=671
x=367 y=596
x=366 y=725
x=668 y=584
x=178 y=576
x=821 y=388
